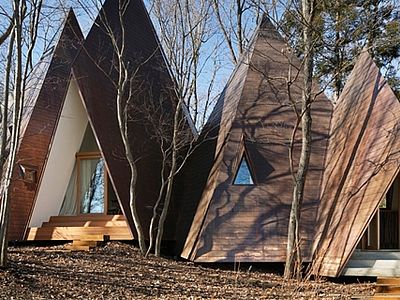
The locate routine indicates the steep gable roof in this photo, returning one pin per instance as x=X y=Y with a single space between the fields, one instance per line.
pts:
x=362 y=162
x=96 y=76
x=43 y=105
x=254 y=114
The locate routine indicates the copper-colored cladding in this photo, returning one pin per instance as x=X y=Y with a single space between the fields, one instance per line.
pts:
x=41 y=116
x=363 y=160
x=249 y=223
x=95 y=74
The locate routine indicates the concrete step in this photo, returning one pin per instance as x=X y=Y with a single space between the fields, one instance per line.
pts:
x=374 y=263
x=374 y=255
x=373 y=272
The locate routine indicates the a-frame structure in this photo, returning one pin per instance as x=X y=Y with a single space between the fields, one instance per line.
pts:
x=83 y=177
x=362 y=163
x=232 y=199
x=45 y=98
x=153 y=93
x=253 y=122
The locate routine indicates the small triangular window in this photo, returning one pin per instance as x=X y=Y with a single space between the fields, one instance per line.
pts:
x=243 y=175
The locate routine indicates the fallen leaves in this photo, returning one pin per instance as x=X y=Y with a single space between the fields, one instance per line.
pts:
x=118 y=271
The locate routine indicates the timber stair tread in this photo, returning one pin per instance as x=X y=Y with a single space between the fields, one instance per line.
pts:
x=387 y=288
x=87 y=242
x=85 y=224
x=70 y=228
x=88 y=217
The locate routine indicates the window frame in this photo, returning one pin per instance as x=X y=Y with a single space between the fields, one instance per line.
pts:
x=244 y=155
x=84 y=156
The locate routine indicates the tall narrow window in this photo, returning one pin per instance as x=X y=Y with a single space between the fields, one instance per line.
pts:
x=243 y=175
x=91 y=184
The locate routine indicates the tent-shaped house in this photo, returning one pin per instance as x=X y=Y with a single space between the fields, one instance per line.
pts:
x=242 y=189
x=243 y=182
x=72 y=177
x=232 y=199
x=359 y=200
x=48 y=87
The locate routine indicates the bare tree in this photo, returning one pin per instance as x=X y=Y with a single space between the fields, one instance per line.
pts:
x=236 y=21
x=185 y=31
x=24 y=34
x=309 y=11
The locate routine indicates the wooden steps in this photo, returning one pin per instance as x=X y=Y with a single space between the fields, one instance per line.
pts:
x=75 y=228
x=88 y=217
x=85 y=224
x=87 y=242
x=387 y=288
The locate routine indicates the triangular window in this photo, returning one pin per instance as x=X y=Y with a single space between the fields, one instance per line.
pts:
x=243 y=175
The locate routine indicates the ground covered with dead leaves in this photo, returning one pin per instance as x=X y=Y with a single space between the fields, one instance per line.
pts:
x=117 y=271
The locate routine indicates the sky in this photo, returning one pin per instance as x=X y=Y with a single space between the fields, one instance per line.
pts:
x=210 y=59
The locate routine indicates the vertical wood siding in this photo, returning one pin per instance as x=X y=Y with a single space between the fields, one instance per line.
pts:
x=249 y=223
x=363 y=160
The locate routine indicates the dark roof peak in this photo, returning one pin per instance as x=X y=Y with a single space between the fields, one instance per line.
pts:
x=267 y=29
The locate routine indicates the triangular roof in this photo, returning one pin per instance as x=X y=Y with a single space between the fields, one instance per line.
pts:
x=362 y=162
x=42 y=109
x=96 y=76
x=254 y=114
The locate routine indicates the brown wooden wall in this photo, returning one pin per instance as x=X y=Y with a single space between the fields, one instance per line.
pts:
x=43 y=107
x=96 y=76
x=200 y=171
x=363 y=160
x=249 y=223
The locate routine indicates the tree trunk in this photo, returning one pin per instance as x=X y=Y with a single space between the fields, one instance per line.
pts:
x=17 y=113
x=4 y=120
x=338 y=83
x=293 y=254
x=171 y=177
x=123 y=123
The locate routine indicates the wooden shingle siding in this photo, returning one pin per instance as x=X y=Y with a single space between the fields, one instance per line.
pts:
x=40 y=119
x=363 y=160
x=249 y=223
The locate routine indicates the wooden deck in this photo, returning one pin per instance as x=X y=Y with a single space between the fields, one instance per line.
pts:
x=70 y=228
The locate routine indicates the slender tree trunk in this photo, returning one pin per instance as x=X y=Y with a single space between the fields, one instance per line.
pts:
x=164 y=213
x=155 y=210
x=293 y=254
x=337 y=84
x=6 y=33
x=19 y=8
x=123 y=101
x=4 y=205
x=170 y=180
x=239 y=13
x=227 y=35
x=4 y=120
x=123 y=122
